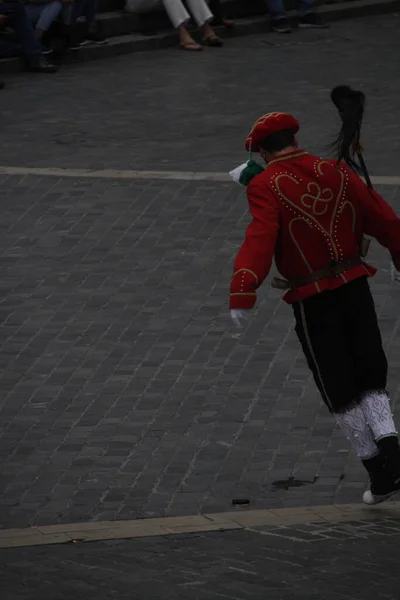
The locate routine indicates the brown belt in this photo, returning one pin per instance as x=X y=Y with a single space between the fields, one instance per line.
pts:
x=333 y=269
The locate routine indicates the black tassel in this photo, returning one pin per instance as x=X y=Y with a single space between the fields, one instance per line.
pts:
x=350 y=105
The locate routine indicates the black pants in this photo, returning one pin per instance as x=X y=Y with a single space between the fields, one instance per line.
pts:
x=340 y=337
x=19 y=21
x=215 y=8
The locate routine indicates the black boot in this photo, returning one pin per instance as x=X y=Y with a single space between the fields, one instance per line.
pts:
x=381 y=486
x=390 y=450
x=384 y=471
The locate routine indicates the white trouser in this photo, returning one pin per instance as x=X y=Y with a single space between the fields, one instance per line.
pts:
x=175 y=10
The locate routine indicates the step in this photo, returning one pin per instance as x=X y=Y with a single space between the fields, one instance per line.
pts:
x=233 y=9
x=132 y=41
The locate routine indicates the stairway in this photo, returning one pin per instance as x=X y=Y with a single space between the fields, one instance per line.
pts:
x=136 y=33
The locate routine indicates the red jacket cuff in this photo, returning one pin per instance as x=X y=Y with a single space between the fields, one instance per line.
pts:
x=243 y=285
x=244 y=280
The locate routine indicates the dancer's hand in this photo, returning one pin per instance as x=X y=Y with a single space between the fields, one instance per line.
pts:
x=241 y=315
x=394 y=273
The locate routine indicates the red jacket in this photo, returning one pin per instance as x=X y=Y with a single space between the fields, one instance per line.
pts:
x=307 y=212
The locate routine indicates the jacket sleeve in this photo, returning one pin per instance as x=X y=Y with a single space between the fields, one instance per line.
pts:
x=254 y=259
x=378 y=218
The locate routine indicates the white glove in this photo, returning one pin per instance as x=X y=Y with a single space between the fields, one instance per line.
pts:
x=394 y=274
x=240 y=316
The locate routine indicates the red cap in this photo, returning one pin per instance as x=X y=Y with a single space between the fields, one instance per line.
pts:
x=268 y=125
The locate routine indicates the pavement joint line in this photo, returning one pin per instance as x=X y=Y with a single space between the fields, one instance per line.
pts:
x=164 y=526
x=149 y=175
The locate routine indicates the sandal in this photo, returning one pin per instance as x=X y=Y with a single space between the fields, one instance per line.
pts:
x=228 y=24
x=213 y=40
x=190 y=46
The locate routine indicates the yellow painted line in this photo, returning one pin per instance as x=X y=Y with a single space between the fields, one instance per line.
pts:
x=246 y=519
x=140 y=175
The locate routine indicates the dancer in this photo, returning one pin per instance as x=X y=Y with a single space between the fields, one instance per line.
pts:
x=311 y=215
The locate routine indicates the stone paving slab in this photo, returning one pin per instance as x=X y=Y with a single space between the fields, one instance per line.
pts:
x=125 y=392
x=356 y=560
x=226 y=521
x=92 y=115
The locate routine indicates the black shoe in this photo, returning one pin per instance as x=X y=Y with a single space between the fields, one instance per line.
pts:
x=41 y=65
x=382 y=485
x=94 y=37
x=1 y=85
x=281 y=26
x=46 y=50
x=312 y=21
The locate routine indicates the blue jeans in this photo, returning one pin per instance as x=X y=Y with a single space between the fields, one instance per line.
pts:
x=42 y=15
x=19 y=21
x=276 y=8
x=87 y=9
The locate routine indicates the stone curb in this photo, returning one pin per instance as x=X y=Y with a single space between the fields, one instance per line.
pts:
x=146 y=175
x=116 y=530
x=126 y=44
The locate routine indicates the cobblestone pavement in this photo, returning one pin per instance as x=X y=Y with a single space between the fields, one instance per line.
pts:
x=199 y=107
x=124 y=390
x=346 y=561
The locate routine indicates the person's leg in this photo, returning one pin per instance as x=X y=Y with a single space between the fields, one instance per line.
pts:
x=279 y=21
x=177 y=13
x=33 y=11
x=377 y=412
x=371 y=368
x=179 y=18
x=322 y=331
x=44 y=17
x=340 y=337
x=19 y=21
x=357 y=430
x=203 y=16
x=89 y=10
x=308 y=16
x=200 y=12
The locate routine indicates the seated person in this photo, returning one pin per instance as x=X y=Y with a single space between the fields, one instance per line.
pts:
x=179 y=17
x=308 y=17
x=42 y=13
x=18 y=20
x=86 y=10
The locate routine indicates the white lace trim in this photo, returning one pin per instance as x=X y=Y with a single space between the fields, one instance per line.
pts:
x=378 y=414
x=355 y=427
